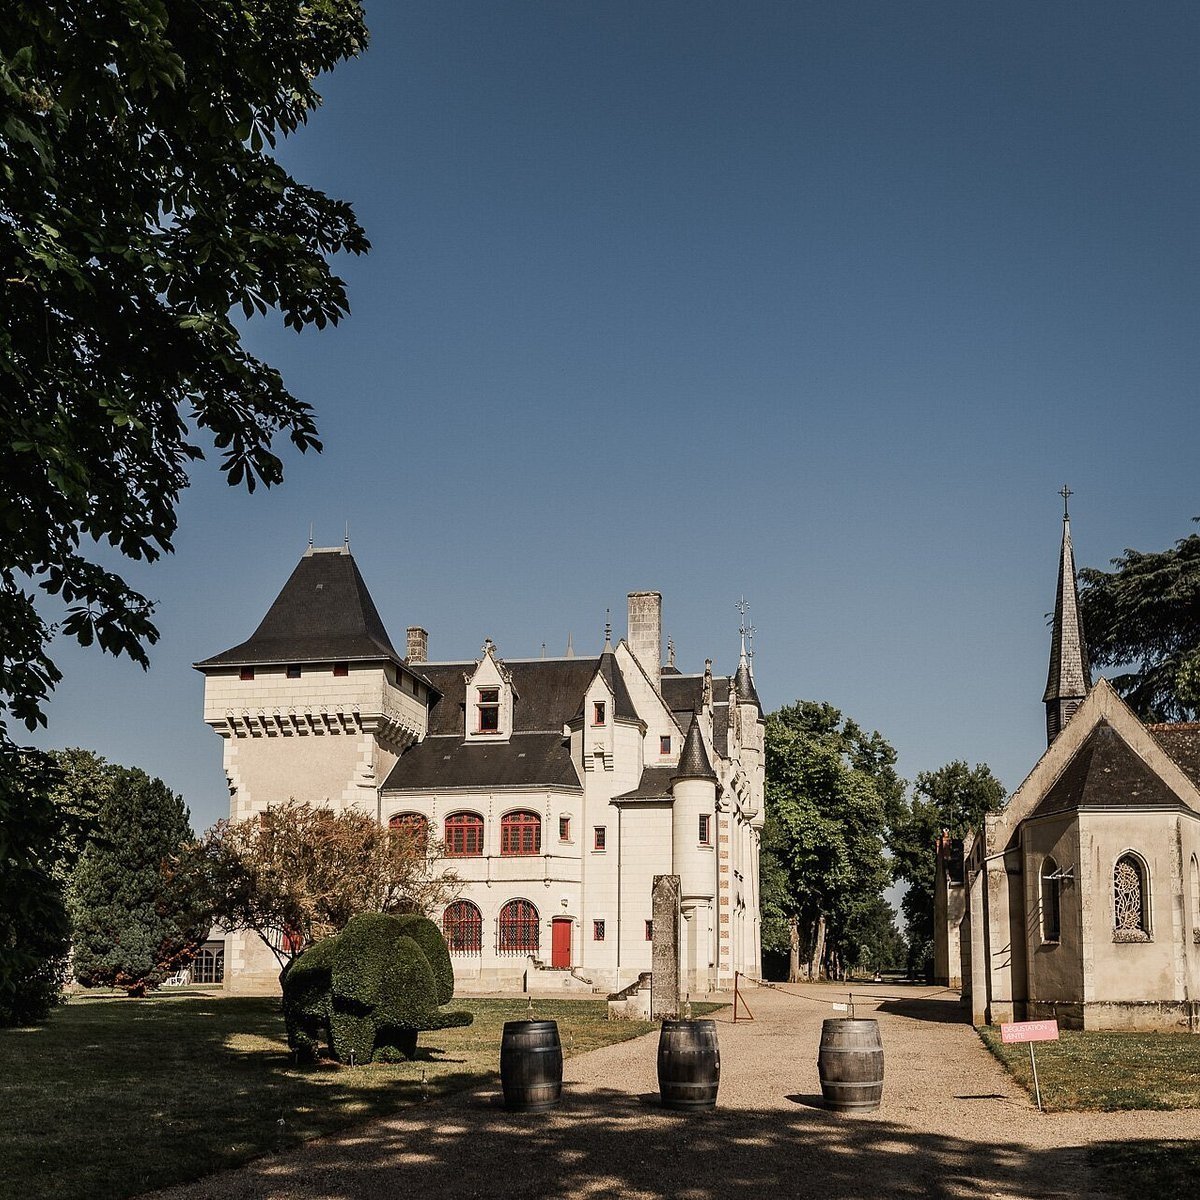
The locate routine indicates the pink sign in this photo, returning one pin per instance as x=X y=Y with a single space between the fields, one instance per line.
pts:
x=1029 y=1031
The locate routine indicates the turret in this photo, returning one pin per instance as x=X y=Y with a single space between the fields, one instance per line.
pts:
x=1069 y=676
x=694 y=820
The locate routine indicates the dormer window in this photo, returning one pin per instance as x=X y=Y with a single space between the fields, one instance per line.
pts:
x=599 y=710
x=489 y=710
x=664 y=744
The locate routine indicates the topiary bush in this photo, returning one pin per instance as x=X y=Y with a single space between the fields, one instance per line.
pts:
x=368 y=991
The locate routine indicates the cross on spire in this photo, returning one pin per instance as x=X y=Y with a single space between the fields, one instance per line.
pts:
x=1066 y=494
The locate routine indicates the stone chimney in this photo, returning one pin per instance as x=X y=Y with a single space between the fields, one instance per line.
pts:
x=418 y=644
x=645 y=632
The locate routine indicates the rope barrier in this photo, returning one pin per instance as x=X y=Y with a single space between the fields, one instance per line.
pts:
x=864 y=997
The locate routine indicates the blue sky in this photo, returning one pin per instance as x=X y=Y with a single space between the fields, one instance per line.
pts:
x=816 y=303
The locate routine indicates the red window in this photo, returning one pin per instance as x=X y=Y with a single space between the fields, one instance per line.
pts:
x=414 y=824
x=341 y=668
x=705 y=821
x=521 y=833
x=462 y=923
x=564 y=829
x=649 y=931
x=464 y=835
x=247 y=673
x=293 y=941
x=664 y=744
x=598 y=837
x=597 y=931
x=598 y=712
x=519 y=928
x=489 y=710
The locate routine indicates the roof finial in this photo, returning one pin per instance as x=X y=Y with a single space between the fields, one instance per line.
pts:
x=310 y=535
x=670 y=650
x=570 y=645
x=750 y=649
x=1066 y=494
x=346 y=540
x=608 y=626
x=742 y=608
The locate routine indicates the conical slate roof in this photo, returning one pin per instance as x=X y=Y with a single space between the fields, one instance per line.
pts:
x=1070 y=675
x=744 y=682
x=323 y=614
x=693 y=760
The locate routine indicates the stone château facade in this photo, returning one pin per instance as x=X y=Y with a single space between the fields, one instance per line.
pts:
x=559 y=787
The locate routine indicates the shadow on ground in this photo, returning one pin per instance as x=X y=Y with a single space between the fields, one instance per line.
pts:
x=947 y=1011
x=609 y=1144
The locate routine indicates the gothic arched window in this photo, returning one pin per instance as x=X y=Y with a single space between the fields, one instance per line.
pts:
x=1051 y=901
x=464 y=835
x=1131 y=918
x=519 y=928
x=520 y=833
x=462 y=923
x=416 y=825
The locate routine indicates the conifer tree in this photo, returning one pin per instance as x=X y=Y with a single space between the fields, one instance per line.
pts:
x=134 y=926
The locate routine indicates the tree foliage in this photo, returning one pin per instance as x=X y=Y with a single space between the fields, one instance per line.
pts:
x=135 y=921
x=297 y=873
x=1146 y=611
x=140 y=207
x=954 y=798
x=829 y=789
x=34 y=928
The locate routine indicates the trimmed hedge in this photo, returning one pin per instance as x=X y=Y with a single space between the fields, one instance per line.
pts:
x=368 y=991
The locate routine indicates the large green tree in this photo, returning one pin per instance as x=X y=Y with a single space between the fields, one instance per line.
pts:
x=955 y=798
x=142 y=214
x=1146 y=611
x=829 y=789
x=135 y=920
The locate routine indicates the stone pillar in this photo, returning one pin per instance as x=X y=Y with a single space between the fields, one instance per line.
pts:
x=664 y=980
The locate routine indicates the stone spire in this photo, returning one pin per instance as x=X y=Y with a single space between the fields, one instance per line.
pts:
x=1070 y=676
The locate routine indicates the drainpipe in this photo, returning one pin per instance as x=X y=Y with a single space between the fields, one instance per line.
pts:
x=617 y=981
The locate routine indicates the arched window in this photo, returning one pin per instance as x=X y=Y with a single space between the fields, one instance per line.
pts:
x=1051 y=902
x=416 y=825
x=521 y=833
x=209 y=966
x=462 y=923
x=1195 y=884
x=1131 y=921
x=464 y=835
x=519 y=928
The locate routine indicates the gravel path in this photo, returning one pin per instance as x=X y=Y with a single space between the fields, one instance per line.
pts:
x=952 y=1124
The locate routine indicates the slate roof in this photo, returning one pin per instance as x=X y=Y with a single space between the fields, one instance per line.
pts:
x=683 y=695
x=446 y=762
x=1182 y=742
x=654 y=785
x=693 y=761
x=1069 y=675
x=745 y=686
x=1105 y=773
x=614 y=677
x=548 y=690
x=323 y=614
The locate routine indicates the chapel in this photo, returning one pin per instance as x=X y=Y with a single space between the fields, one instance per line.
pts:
x=558 y=787
x=1080 y=899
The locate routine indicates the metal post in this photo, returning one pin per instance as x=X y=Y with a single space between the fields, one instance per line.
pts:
x=1037 y=1090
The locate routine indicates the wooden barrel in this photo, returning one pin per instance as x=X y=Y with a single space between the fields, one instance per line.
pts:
x=531 y=1065
x=689 y=1064
x=851 y=1064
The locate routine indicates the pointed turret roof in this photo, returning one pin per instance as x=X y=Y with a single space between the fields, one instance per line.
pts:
x=323 y=614
x=1070 y=675
x=744 y=682
x=693 y=759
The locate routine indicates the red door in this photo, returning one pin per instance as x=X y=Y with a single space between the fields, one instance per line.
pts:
x=560 y=942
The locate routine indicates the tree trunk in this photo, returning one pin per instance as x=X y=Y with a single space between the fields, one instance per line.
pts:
x=818 y=950
x=793 y=949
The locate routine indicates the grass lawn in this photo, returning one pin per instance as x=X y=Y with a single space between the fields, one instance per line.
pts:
x=1107 y=1071
x=113 y=1097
